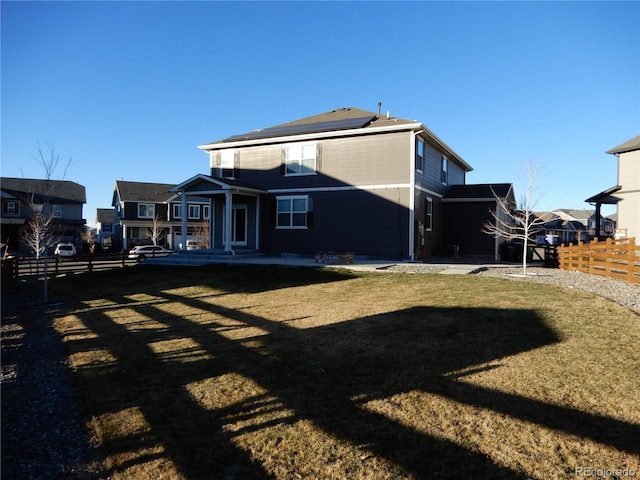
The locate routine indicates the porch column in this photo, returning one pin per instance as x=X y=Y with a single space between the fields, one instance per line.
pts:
x=598 y=220
x=210 y=220
x=227 y=220
x=183 y=220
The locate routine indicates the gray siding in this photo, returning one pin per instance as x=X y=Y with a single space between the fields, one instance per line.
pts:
x=463 y=225
x=430 y=178
x=363 y=222
x=364 y=160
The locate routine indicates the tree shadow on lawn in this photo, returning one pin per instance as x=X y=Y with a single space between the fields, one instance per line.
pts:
x=315 y=373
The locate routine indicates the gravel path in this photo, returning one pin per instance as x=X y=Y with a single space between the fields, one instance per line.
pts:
x=44 y=427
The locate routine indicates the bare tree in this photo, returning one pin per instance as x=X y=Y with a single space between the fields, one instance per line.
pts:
x=39 y=229
x=518 y=224
x=156 y=231
x=201 y=233
x=37 y=234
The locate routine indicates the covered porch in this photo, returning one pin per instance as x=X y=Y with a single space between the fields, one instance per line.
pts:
x=234 y=222
x=603 y=198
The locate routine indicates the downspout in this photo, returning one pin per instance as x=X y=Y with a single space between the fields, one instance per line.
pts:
x=258 y=222
x=183 y=220
x=412 y=194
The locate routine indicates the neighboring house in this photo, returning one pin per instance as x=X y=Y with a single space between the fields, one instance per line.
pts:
x=145 y=210
x=572 y=225
x=628 y=155
x=106 y=221
x=626 y=194
x=347 y=180
x=63 y=200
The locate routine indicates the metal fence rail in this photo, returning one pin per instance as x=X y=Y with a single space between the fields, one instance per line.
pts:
x=619 y=259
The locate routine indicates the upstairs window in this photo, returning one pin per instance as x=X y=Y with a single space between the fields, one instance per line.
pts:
x=420 y=158
x=177 y=211
x=56 y=211
x=11 y=207
x=225 y=164
x=194 y=211
x=292 y=211
x=301 y=159
x=146 y=210
x=444 y=174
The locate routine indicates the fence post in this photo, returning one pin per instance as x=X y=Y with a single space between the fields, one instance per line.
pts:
x=593 y=246
x=631 y=262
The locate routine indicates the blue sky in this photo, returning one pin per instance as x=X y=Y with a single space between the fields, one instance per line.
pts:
x=128 y=90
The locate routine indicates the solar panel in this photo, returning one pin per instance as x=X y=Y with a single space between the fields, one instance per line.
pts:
x=299 y=129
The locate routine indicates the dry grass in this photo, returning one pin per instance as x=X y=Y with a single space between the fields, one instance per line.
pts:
x=266 y=372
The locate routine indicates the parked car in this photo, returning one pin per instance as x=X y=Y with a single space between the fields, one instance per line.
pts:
x=65 y=250
x=194 y=245
x=149 y=251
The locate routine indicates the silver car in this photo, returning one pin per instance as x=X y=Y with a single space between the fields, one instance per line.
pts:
x=149 y=251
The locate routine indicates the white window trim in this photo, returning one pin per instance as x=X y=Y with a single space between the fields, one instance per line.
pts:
x=153 y=210
x=299 y=161
x=177 y=211
x=56 y=210
x=429 y=213
x=444 y=170
x=196 y=209
x=421 y=168
x=206 y=212
x=12 y=207
x=292 y=227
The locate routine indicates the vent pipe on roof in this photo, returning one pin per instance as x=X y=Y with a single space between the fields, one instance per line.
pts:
x=379 y=107
x=388 y=115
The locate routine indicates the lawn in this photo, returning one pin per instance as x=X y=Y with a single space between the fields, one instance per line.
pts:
x=239 y=372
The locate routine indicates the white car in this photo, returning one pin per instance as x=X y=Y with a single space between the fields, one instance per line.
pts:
x=149 y=251
x=65 y=250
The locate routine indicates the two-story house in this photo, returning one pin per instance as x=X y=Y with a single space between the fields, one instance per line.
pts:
x=626 y=194
x=146 y=213
x=106 y=223
x=59 y=200
x=347 y=180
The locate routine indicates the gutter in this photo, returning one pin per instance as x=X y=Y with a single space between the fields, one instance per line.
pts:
x=310 y=136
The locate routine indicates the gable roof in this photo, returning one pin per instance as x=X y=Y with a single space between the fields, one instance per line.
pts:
x=142 y=191
x=478 y=192
x=206 y=184
x=105 y=215
x=338 y=122
x=52 y=191
x=628 y=146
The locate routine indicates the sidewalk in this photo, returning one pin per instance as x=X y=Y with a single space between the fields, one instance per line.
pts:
x=453 y=268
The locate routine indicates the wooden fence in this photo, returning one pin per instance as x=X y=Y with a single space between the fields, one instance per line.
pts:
x=619 y=259
x=15 y=267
